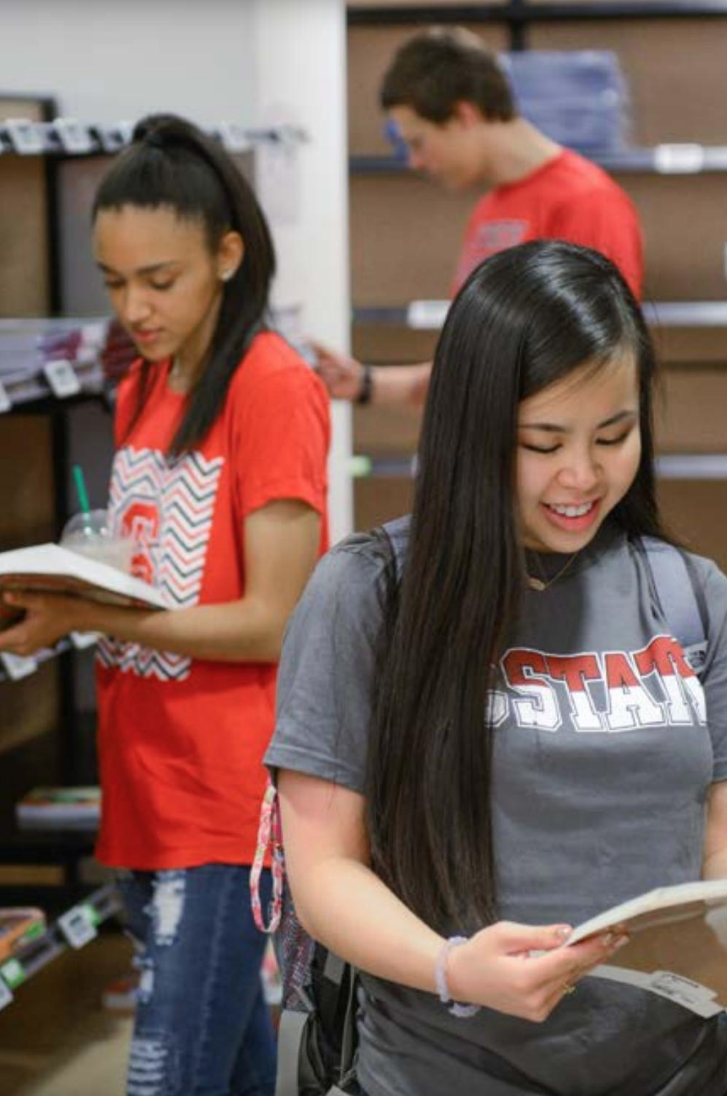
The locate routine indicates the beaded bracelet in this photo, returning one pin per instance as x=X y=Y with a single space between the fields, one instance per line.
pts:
x=440 y=979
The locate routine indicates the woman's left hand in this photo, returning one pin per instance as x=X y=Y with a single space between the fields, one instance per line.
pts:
x=47 y=618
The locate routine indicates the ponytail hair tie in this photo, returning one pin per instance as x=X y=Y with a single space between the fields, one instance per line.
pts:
x=154 y=139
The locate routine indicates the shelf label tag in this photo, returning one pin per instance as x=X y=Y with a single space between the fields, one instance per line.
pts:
x=79 y=925
x=26 y=137
x=683 y=159
x=18 y=667
x=234 y=137
x=73 y=135
x=427 y=315
x=12 y=973
x=62 y=378
x=6 y=996
x=5 y=403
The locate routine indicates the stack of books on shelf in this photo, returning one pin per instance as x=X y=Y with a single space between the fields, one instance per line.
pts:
x=38 y=354
x=19 y=925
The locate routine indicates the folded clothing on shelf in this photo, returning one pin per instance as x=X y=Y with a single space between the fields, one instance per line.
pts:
x=96 y=349
x=579 y=98
x=59 y=808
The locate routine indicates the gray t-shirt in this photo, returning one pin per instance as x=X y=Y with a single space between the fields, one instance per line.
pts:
x=604 y=750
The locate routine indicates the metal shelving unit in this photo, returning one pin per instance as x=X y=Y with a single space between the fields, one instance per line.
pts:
x=667 y=159
x=67 y=137
x=518 y=13
x=663 y=314
x=73 y=929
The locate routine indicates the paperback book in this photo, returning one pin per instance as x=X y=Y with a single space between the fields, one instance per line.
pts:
x=50 y=568
x=677 y=944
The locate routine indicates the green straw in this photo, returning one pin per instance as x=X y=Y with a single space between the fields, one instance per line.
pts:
x=81 y=489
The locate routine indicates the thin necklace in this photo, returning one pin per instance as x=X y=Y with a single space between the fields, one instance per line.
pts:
x=540 y=584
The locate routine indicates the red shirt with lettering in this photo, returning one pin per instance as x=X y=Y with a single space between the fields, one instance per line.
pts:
x=181 y=740
x=568 y=198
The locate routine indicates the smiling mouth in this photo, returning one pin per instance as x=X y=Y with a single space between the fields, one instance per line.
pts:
x=570 y=511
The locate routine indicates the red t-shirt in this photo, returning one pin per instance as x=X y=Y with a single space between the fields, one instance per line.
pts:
x=181 y=740
x=568 y=198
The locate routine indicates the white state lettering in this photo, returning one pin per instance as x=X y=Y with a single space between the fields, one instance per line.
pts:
x=575 y=671
x=631 y=706
x=540 y=708
x=536 y=702
x=548 y=690
x=496 y=707
x=584 y=715
x=664 y=658
x=676 y=706
x=693 y=687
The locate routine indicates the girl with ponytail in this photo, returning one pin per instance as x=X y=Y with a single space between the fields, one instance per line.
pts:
x=220 y=479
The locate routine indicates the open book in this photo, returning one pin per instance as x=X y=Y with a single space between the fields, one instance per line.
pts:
x=54 y=569
x=677 y=944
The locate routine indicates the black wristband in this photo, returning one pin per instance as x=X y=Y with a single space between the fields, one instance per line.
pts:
x=367 y=385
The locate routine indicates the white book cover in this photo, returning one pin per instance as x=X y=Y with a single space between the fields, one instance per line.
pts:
x=677 y=944
x=50 y=568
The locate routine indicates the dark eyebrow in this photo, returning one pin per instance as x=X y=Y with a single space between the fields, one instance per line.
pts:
x=154 y=268
x=553 y=428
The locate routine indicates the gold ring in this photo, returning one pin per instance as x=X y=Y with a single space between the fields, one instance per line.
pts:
x=568 y=988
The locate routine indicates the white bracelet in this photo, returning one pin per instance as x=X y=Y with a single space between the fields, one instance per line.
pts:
x=440 y=979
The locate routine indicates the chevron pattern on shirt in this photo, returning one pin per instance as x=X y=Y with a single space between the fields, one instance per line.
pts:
x=167 y=507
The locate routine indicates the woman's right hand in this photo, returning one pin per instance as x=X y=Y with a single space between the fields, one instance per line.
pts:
x=342 y=376
x=495 y=967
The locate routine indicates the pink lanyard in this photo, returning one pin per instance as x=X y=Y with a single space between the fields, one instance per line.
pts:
x=270 y=836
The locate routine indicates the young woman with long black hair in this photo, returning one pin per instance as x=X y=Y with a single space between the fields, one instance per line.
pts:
x=512 y=739
x=220 y=478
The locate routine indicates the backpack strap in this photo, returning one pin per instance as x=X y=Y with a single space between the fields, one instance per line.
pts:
x=396 y=533
x=680 y=598
x=291 y=1036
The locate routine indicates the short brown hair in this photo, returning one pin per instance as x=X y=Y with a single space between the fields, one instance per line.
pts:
x=435 y=70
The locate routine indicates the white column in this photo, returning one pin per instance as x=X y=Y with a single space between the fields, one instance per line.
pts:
x=299 y=55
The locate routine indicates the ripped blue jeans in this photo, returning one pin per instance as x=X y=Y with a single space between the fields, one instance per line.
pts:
x=202 y=1026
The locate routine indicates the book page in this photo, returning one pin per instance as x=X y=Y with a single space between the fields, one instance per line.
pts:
x=50 y=568
x=677 y=944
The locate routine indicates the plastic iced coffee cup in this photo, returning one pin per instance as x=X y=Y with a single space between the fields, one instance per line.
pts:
x=88 y=533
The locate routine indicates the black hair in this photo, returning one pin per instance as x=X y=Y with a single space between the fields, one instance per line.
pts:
x=434 y=71
x=526 y=318
x=172 y=163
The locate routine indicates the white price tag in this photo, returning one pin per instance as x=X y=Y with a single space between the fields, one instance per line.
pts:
x=12 y=973
x=73 y=135
x=682 y=159
x=17 y=667
x=25 y=136
x=79 y=926
x=62 y=378
x=427 y=315
x=6 y=996
x=234 y=137
x=5 y=404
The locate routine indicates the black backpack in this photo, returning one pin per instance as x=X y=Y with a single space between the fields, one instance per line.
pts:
x=317 y=1034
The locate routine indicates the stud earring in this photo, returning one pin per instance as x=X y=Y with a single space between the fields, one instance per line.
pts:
x=226 y=275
